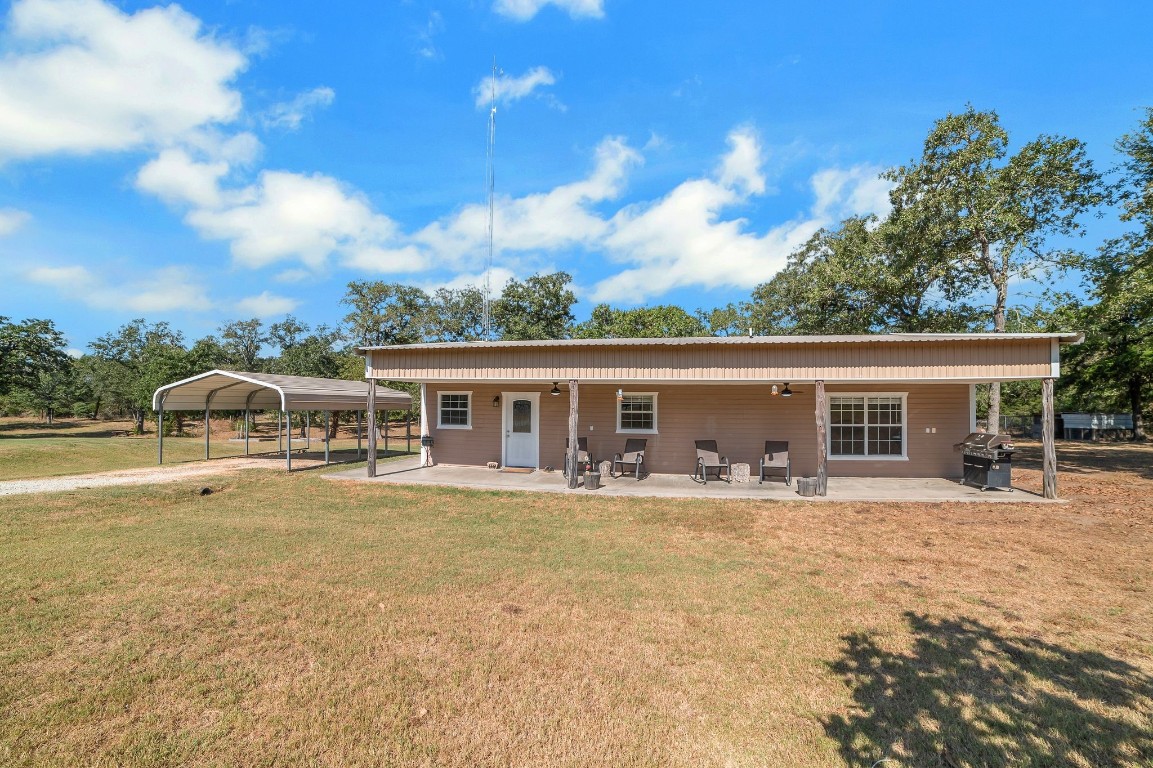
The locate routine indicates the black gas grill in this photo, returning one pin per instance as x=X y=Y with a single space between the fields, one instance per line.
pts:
x=988 y=460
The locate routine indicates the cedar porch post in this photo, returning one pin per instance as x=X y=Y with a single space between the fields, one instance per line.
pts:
x=573 y=450
x=822 y=443
x=1049 y=451
x=425 y=451
x=371 y=428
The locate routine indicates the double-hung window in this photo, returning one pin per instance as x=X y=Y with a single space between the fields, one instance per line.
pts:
x=454 y=410
x=867 y=426
x=637 y=412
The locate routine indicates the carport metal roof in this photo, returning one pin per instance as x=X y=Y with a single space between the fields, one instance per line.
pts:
x=233 y=391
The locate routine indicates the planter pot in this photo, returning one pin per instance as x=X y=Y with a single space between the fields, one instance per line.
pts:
x=807 y=486
x=592 y=481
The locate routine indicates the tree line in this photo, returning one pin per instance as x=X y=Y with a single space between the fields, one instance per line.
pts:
x=969 y=217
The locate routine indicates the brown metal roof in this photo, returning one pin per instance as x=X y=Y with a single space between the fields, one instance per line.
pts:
x=1062 y=338
x=235 y=391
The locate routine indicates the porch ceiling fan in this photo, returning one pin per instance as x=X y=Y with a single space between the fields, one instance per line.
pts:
x=783 y=392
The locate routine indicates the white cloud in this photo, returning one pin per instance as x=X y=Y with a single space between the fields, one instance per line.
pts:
x=523 y=10
x=290 y=114
x=164 y=290
x=856 y=191
x=176 y=178
x=265 y=305
x=509 y=89
x=683 y=240
x=88 y=77
x=426 y=37
x=562 y=218
x=11 y=220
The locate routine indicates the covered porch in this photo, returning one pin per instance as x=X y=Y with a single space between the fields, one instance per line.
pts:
x=409 y=471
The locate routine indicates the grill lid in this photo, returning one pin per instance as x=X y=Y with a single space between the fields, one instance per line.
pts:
x=986 y=441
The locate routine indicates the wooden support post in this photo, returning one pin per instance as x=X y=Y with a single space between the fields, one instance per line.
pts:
x=573 y=448
x=822 y=443
x=1048 y=448
x=372 y=427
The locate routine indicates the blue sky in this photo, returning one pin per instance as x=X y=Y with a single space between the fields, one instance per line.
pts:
x=212 y=161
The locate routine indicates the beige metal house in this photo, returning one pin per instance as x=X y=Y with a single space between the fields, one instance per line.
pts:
x=875 y=406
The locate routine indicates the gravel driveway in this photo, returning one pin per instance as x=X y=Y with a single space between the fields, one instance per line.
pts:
x=136 y=476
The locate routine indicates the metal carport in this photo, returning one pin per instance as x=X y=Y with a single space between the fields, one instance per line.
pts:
x=240 y=391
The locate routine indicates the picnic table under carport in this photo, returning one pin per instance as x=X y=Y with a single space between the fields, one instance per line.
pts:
x=244 y=391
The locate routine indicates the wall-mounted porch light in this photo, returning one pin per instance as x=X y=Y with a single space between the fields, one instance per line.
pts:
x=496 y=402
x=620 y=395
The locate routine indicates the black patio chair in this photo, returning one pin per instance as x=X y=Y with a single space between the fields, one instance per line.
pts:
x=708 y=458
x=633 y=456
x=777 y=458
x=583 y=456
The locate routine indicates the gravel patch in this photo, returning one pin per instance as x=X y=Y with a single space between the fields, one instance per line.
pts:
x=137 y=476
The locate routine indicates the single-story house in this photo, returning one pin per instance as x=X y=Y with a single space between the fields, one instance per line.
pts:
x=854 y=405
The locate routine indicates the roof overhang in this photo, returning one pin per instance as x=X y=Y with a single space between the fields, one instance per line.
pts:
x=236 y=391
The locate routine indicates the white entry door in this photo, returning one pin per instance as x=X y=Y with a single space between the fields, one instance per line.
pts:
x=521 y=429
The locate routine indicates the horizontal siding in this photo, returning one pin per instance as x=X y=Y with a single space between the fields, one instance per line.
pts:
x=976 y=360
x=739 y=418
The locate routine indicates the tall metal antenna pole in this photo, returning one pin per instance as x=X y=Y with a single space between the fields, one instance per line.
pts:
x=486 y=312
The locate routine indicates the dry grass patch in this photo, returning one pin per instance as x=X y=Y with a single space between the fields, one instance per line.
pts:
x=294 y=621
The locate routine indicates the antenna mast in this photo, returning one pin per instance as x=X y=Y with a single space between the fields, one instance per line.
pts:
x=486 y=312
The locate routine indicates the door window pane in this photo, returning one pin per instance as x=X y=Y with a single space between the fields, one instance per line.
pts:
x=522 y=416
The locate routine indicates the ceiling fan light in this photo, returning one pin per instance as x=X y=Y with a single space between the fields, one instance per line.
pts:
x=555 y=389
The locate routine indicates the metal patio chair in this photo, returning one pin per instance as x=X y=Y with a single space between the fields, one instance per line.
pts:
x=633 y=456
x=708 y=458
x=583 y=456
x=777 y=458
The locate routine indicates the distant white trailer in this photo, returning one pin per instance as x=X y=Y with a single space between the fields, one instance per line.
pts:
x=1090 y=426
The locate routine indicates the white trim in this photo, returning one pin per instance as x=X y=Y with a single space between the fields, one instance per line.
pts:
x=656 y=422
x=506 y=399
x=1055 y=359
x=903 y=456
x=425 y=451
x=972 y=408
x=439 y=403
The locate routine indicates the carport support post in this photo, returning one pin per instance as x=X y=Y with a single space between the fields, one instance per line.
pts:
x=207 y=425
x=279 y=431
x=822 y=443
x=573 y=448
x=288 y=429
x=160 y=432
x=371 y=428
x=308 y=430
x=358 y=434
x=327 y=436
x=1049 y=450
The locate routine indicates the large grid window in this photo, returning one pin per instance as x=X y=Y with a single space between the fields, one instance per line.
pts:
x=637 y=412
x=867 y=426
x=454 y=410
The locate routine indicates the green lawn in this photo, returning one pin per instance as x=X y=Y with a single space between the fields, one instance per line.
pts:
x=30 y=450
x=291 y=620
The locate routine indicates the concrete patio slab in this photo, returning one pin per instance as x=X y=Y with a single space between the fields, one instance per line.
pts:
x=918 y=489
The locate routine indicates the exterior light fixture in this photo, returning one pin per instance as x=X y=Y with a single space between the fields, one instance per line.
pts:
x=786 y=392
x=496 y=402
x=555 y=389
x=620 y=395
x=774 y=391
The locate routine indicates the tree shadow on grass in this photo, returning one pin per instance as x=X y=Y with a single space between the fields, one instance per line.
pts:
x=967 y=696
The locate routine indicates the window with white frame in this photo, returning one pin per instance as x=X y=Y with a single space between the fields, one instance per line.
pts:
x=637 y=412
x=867 y=426
x=454 y=410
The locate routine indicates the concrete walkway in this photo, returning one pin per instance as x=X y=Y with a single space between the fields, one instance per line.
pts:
x=409 y=472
